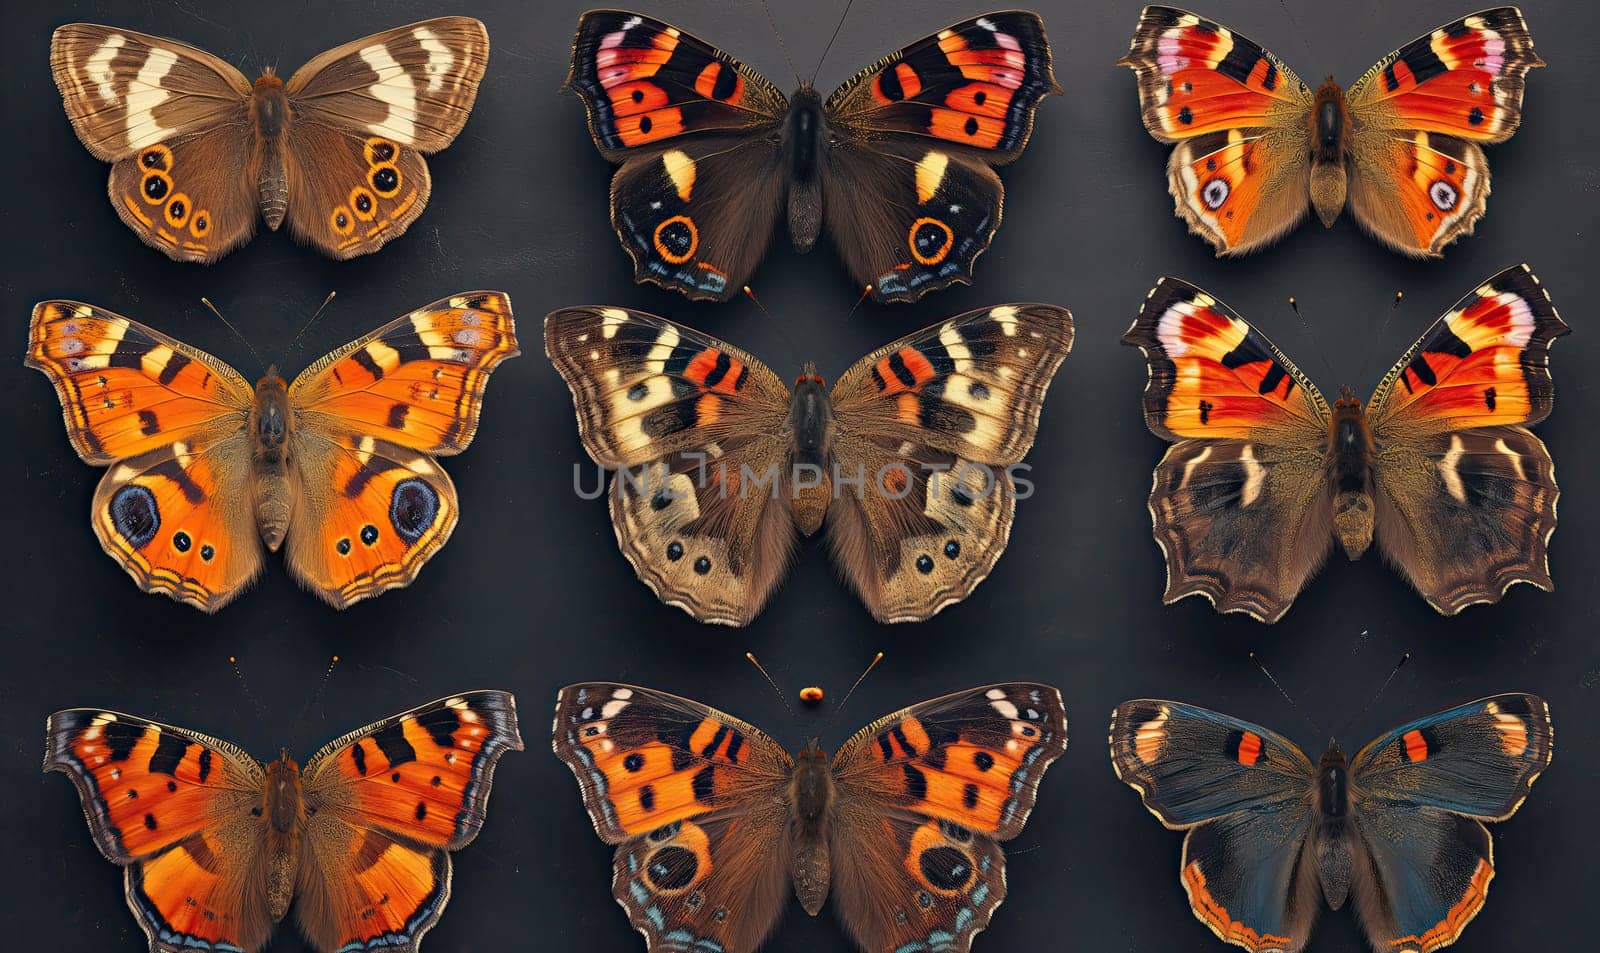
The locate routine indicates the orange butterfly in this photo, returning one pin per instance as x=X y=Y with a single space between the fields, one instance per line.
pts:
x=216 y=844
x=203 y=468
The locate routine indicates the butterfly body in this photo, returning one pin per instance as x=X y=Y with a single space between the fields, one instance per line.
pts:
x=908 y=458
x=219 y=847
x=199 y=151
x=1401 y=147
x=715 y=824
x=338 y=466
x=1438 y=468
x=896 y=166
x=1399 y=828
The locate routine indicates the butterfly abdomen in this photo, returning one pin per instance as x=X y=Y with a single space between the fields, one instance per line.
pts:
x=270 y=429
x=1330 y=128
x=810 y=796
x=1350 y=451
x=284 y=809
x=270 y=109
x=804 y=132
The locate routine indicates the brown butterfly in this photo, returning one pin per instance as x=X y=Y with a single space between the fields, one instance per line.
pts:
x=216 y=844
x=910 y=457
x=713 y=821
x=197 y=150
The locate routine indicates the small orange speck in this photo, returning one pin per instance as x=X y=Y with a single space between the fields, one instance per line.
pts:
x=811 y=694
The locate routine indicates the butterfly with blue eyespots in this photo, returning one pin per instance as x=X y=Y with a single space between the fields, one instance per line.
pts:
x=713 y=821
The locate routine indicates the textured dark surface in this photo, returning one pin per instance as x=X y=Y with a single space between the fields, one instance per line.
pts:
x=531 y=592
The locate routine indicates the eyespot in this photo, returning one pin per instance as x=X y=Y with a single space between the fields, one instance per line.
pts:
x=200 y=223
x=413 y=507
x=385 y=179
x=155 y=186
x=177 y=211
x=363 y=204
x=1215 y=193
x=135 y=514
x=378 y=149
x=341 y=222
x=157 y=157
x=677 y=239
x=930 y=240
x=1444 y=195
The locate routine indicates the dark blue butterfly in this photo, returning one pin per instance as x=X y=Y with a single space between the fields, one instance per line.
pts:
x=1272 y=837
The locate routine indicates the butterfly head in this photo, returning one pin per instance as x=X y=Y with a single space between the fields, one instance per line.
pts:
x=269 y=79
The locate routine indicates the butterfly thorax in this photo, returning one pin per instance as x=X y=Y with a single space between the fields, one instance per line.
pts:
x=810 y=798
x=1350 y=453
x=283 y=807
x=1331 y=843
x=1330 y=129
x=269 y=109
x=270 y=428
x=804 y=136
x=810 y=428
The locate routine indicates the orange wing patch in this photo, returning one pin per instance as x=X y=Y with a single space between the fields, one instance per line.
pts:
x=1485 y=363
x=183 y=889
x=641 y=108
x=418 y=381
x=1222 y=182
x=1211 y=374
x=125 y=389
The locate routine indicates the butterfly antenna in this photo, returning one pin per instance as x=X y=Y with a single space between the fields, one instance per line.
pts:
x=1379 y=694
x=859 y=679
x=864 y=293
x=257 y=354
x=244 y=684
x=1286 y=696
x=781 y=697
x=309 y=322
x=327 y=673
x=835 y=36
x=1316 y=345
x=1372 y=343
x=1295 y=26
x=775 y=32
x=782 y=331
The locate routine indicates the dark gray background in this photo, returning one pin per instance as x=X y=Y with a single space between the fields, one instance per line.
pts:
x=531 y=593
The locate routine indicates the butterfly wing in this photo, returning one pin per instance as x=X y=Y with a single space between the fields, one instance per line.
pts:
x=701 y=183
x=174 y=507
x=365 y=113
x=1423 y=793
x=695 y=802
x=173 y=808
x=173 y=121
x=692 y=425
x=1240 y=504
x=375 y=504
x=385 y=807
x=930 y=427
x=1239 y=790
x=1419 y=179
x=1242 y=123
x=1466 y=494
x=924 y=796
x=923 y=128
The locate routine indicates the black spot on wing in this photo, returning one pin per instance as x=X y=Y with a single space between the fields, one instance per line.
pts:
x=441 y=725
x=168 y=755
x=396 y=748
x=172 y=470
x=174 y=366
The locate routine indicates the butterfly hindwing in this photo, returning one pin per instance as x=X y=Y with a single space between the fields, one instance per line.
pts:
x=173 y=808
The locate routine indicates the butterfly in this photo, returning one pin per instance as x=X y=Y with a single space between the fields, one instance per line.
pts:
x=197 y=151
x=1272 y=838
x=910 y=457
x=1402 y=147
x=1439 y=467
x=714 y=821
x=216 y=844
x=897 y=165
x=204 y=468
